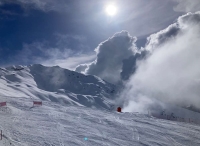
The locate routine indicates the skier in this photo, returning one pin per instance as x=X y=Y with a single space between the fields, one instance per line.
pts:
x=119 y=109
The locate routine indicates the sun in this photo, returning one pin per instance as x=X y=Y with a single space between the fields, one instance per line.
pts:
x=111 y=10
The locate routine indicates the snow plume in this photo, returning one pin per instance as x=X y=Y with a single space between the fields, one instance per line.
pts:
x=171 y=73
x=130 y=65
x=110 y=56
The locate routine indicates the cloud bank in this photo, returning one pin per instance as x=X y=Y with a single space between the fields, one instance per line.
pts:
x=171 y=73
x=70 y=61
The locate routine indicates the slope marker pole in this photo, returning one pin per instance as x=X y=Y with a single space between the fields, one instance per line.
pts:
x=1 y=134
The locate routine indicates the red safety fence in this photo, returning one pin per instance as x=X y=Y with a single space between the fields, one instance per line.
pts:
x=37 y=103
x=2 y=104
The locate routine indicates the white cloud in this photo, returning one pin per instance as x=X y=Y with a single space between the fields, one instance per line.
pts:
x=70 y=62
x=42 y=53
x=171 y=73
x=110 y=54
x=43 y=50
x=61 y=55
x=161 y=37
x=38 y=52
x=187 y=5
x=183 y=22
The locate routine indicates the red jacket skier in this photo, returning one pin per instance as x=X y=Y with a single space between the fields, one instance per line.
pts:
x=119 y=109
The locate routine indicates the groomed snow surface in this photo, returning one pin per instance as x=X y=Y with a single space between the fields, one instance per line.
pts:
x=55 y=125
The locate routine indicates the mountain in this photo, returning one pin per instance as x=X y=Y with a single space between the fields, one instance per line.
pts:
x=56 y=84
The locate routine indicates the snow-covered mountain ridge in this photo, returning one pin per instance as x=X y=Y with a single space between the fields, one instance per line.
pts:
x=56 y=84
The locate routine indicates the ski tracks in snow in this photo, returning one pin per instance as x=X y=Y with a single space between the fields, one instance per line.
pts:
x=62 y=126
x=135 y=136
x=173 y=141
x=134 y=131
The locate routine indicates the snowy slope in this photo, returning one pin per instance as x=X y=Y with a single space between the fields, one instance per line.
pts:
x=66 y=116
x=57 y=85
x=55 y=125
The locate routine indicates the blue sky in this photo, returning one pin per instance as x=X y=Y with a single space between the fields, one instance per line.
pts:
x=66 y=32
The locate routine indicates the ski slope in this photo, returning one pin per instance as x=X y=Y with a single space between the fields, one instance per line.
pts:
x=56 y=125
x=77 y=111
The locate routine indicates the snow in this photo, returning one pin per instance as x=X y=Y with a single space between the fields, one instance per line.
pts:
x=54 y=124
x=179 y=114
x=72 y=116
x=57 y=85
